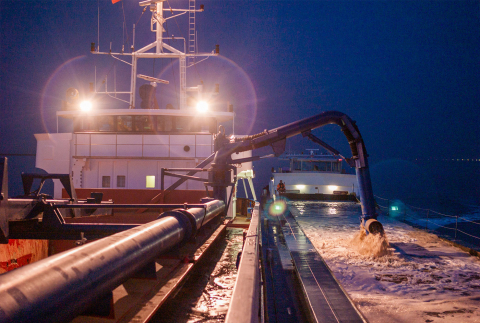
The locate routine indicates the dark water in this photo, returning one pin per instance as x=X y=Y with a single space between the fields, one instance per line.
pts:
x=459 y=223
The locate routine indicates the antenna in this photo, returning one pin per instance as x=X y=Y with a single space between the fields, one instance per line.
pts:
x=98 y=26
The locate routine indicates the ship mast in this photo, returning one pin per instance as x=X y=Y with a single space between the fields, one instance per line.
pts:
x=163 y=50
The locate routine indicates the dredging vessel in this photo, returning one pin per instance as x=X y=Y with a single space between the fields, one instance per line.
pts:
x=119 y=159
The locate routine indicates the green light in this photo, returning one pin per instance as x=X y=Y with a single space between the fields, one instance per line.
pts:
x=394 y=208
x=277 y=208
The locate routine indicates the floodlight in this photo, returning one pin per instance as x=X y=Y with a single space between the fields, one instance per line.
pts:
x=86 y=106
x=202 y=106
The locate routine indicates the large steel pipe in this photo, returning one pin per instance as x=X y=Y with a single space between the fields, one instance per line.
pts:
x=58 y=288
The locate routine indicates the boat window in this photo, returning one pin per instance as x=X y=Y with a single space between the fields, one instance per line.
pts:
x=307 y=166
x=124 y=123
x=336 y=167
x=165 y=123
x=106 y=123
x=297 y=165
x=328 y=166
x=105 y=181
x=183 y=124
x=317 y=166
x=143 y=123
x=121 y=181
x=186 y=124
x=84 y=124
x=208 y=125
x=150 y=181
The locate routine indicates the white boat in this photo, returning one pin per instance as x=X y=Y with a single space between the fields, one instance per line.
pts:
x=120 y=150
x=314 y=176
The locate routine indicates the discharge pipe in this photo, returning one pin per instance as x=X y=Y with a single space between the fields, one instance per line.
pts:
x=276 y=139
x=61 y=287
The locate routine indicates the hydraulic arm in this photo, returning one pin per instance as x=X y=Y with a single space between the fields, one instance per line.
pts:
x=276 y=138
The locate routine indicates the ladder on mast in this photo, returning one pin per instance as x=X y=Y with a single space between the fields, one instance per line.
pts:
x=191 y=32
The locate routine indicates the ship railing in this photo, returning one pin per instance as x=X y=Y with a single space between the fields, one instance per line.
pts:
x=432 y=221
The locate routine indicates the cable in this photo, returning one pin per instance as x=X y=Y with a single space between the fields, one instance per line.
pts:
x=125 y=26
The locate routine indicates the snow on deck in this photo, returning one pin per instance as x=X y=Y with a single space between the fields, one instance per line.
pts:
x=416 y=278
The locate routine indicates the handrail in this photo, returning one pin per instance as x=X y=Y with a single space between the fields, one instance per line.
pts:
x=429 y=220
x=245 y=302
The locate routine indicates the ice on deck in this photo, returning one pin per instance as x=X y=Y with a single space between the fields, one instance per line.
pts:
x=418 y=278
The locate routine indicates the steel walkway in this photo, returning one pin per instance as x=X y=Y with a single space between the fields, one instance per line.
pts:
x=291 y=259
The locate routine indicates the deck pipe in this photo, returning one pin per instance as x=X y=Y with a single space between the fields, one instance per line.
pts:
x=60 y=287
x=278 y=135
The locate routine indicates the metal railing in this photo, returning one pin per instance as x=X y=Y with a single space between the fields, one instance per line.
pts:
x=428 y=219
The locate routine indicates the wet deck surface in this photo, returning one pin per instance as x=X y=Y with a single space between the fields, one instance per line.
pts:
x=327 y=300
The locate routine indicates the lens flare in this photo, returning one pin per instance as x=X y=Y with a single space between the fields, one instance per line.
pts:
x=277 y=208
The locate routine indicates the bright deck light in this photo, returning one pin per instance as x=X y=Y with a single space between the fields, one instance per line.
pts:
x=86 y=106
x=332 y=187
x=202 y=106
x=300 y=187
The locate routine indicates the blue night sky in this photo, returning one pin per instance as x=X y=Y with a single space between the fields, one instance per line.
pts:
x=407 y=71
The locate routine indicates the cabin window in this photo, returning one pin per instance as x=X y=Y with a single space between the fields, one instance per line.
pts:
x=84 y=124
x=150 y=181
x=308 y=166
x=336 y=167
x=187 y=124
x=105 y=181
x=124 y=123
x=121 y=181
x=329 y=166
x=106 y=123
x=165 y=123
x=207 y=125
x=143 y=123
x=297 y=165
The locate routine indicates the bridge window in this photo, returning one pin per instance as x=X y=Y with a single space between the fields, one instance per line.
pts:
x=84 y=124
x=106 y=123
x=144 y=123
x=297 y=165
x=124 y=123
x=165 y=123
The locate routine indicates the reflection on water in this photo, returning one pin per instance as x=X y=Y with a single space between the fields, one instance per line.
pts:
x=331 y=212
x=340 y=217
x=206 y=294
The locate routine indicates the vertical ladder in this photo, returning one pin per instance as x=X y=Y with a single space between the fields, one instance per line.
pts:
x=191 y=31
x=183 y=82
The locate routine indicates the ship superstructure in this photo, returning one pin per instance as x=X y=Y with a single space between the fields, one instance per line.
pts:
x=313 y=176
x=122 y=151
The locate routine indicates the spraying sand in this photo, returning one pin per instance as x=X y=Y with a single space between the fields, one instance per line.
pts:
x=404 y=276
